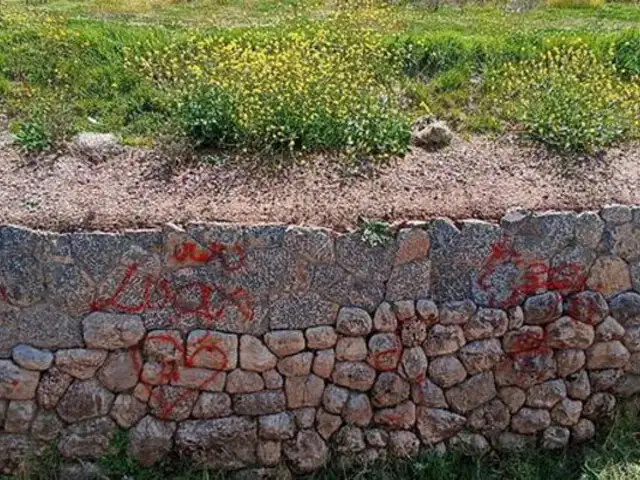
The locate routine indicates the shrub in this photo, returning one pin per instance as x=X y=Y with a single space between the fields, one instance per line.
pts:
x=32 y=136
x=568 y=98
x=575 y=3
x=209 y=119
x=627 y=53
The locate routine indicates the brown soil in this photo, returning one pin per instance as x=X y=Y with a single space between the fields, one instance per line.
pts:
x=478 y=178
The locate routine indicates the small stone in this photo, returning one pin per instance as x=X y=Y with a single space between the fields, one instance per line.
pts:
x=428 y=394
x=589 y=228
x=513 y=397
x=52 y=386
x=97 y=146
x=323 y=363
x=354 y=375
x=156 y=373
x=607 y=355
x=569 y=361
x=567 y=412
x=568 y=333
x=241 y=381
x=91 y=438
x=609 y=330
x=255 y=356
x=470 y=443
x=47 y=426
x=457 y=313
x=599 y=405
x=269 y=453
x=334 y=398
x=543 y=308
x=352 y=349
x=17 y=383
x=427 y=311
x=444 y=340
x=603 y=380
x=472 y=393
x=121 y=370
x=524 y=339
x=516 y=317
x=308 y=452
x=272 y=380
x=433 y=136
x=165 y=346
x=490 y=418
x=588 y=307
x=172 y=403
x=435 y=425
x=631 y=338
x=289 y=342
x=405 y=310
x=486 y=323
x=297 y=365
x=513 y=442
x=32 y=358
x=112 y=331
x=80 y=471
x=259 y=403
x=214 y=350
x=384 y=319
x=80 y=363
x=627 y=386
x=142 y=392
x=376 y=437
x=447 y=371
x=304 y=391
x=400 y=417
x=320 y=338
x=481 y=355
x=547 y=394
x=413 y=244
x=19 y=415
x=526 y=368
x=413 y=332
x=151 y=440
x=197 y=378
x=578 y=386
x=279 y=426
x=616 y=214
x=357 y=410
x=385 y=350
x=349 y=440
x=583 y=431
x=389 y=390
x=403 y=444
x=327 y=424
x=127 y=410
x=212 y=405
x=555 y=438
x=85 y=400
x=530 y=420
x=305 y=417
x=354 y=322
x=413 y=366
x=609 y=276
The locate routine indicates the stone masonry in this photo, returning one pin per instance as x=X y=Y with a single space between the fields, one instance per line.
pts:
x=251 y=346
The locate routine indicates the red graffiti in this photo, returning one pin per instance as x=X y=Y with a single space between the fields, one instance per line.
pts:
x=385 y=360
x=534 y=275
x=231 y=257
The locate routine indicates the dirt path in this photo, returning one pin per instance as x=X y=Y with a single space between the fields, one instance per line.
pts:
x=477 y=178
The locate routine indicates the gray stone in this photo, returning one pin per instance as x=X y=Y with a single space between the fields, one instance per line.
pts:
x=486 y=323
x=589 y=228
x=413 y=365
x=599 y=405
x=526 y=368
x=307 y=452
x=389 y=390
x=547 y=394
x=516 y=317
x=428 y=394
x=427 y=311
x=490 y=418
x=364 y=261
x=627 y=386
x=172 y=403
x=80 y=363
x=19 y=415
x=349 y=440
x=239 y=381
x=578 y=386
x=567 y=412
x=384 y=319
x=16 y=449
x=376 y=437
x=403 y=444
x=607 y=355
x=299 y=311
x=583 y=431
x=588 y=307
x=568 y=333
x=334 y=398
x=312 y=244
x=385 y=350
x=17 y=383
x=569 y=361
x=433 y=136
x=272 y=380
x=603 y=380
x=194 y=378
x=354 y=322
x=616 y=214
x=111 y=331
x=513 y=397
x=259 y=403
x=609 y=275
x=569 y=269
x=352 y=349
x=354 y=375
x=121 y=370
x=435 y=425
x=447 y=371
x=404 y=310
x=470 y=443
x=555 y=438
x=357 y=410
x=212 y=405
x=472 y=393
x=127 y=410
x=46 y=426
x=90 y=439
x=530 y=420
x=409 y=280
x=481 y=355
x=444 y=340
x=625 y=308
x=320 y=338
x=631 y=338
x=513 y=442
x=289 y=342
x=269 y=454
x=457 y=312
x=335 y=284
x=151 y=440
x=32 y=358
x=523 y=339
x=305 y=417
x=327 y=424
x=85 y=400
x=279 y=426
x=224 y=443
x=542 y=309
x=97 y=146
x=52 y=386
x=413 y=332
x=400 y=417
x=609 y=330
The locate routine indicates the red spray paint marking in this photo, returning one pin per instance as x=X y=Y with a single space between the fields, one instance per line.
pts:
x=231 y=257
x=385 y=360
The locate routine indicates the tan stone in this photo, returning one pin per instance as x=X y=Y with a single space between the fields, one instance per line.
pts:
x=127 y=410
x=272 y=380
x=513 y=397
x=607 y=355
x=320 y=338
x=323 y=363
x=385 y=350
x=435 y=425
x=530 y=420
x=286 y=342
x=212 y=405
x=385 y=319
x=352 y=349
x=79 y=362
x=255 y=356
x=413 y=244
x=19 y=415
x=209 y=349
x=413 y=366
x=569 y=333
x=17 y=383
x=111 y=331
x=609 y=276
x=242 y=381
x=165 y=346
x=121 y=370
x=357 y=410
x=327 y=424
x=296 y=365
x=569 y=361
x=269 y=452
x=304 y=391
x=447 y=371
x=472 y=393
x=444 y=340
x=609 y=330
x=354 y=322
x=400 y=417
x=567 y=412
x=199 y=379
x=354 y=375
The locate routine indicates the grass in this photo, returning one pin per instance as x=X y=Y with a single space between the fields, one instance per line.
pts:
x=273 y=76
x=613 y=455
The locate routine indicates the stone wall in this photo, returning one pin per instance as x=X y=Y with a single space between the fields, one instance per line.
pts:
x=247 y=346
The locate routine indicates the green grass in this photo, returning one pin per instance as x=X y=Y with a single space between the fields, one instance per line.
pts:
x=272 y=76
x=613 y=455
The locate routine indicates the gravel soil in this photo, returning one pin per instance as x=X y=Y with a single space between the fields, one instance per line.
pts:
x=478 y=177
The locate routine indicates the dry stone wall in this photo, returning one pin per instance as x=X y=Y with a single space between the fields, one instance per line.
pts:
x=249 y=346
